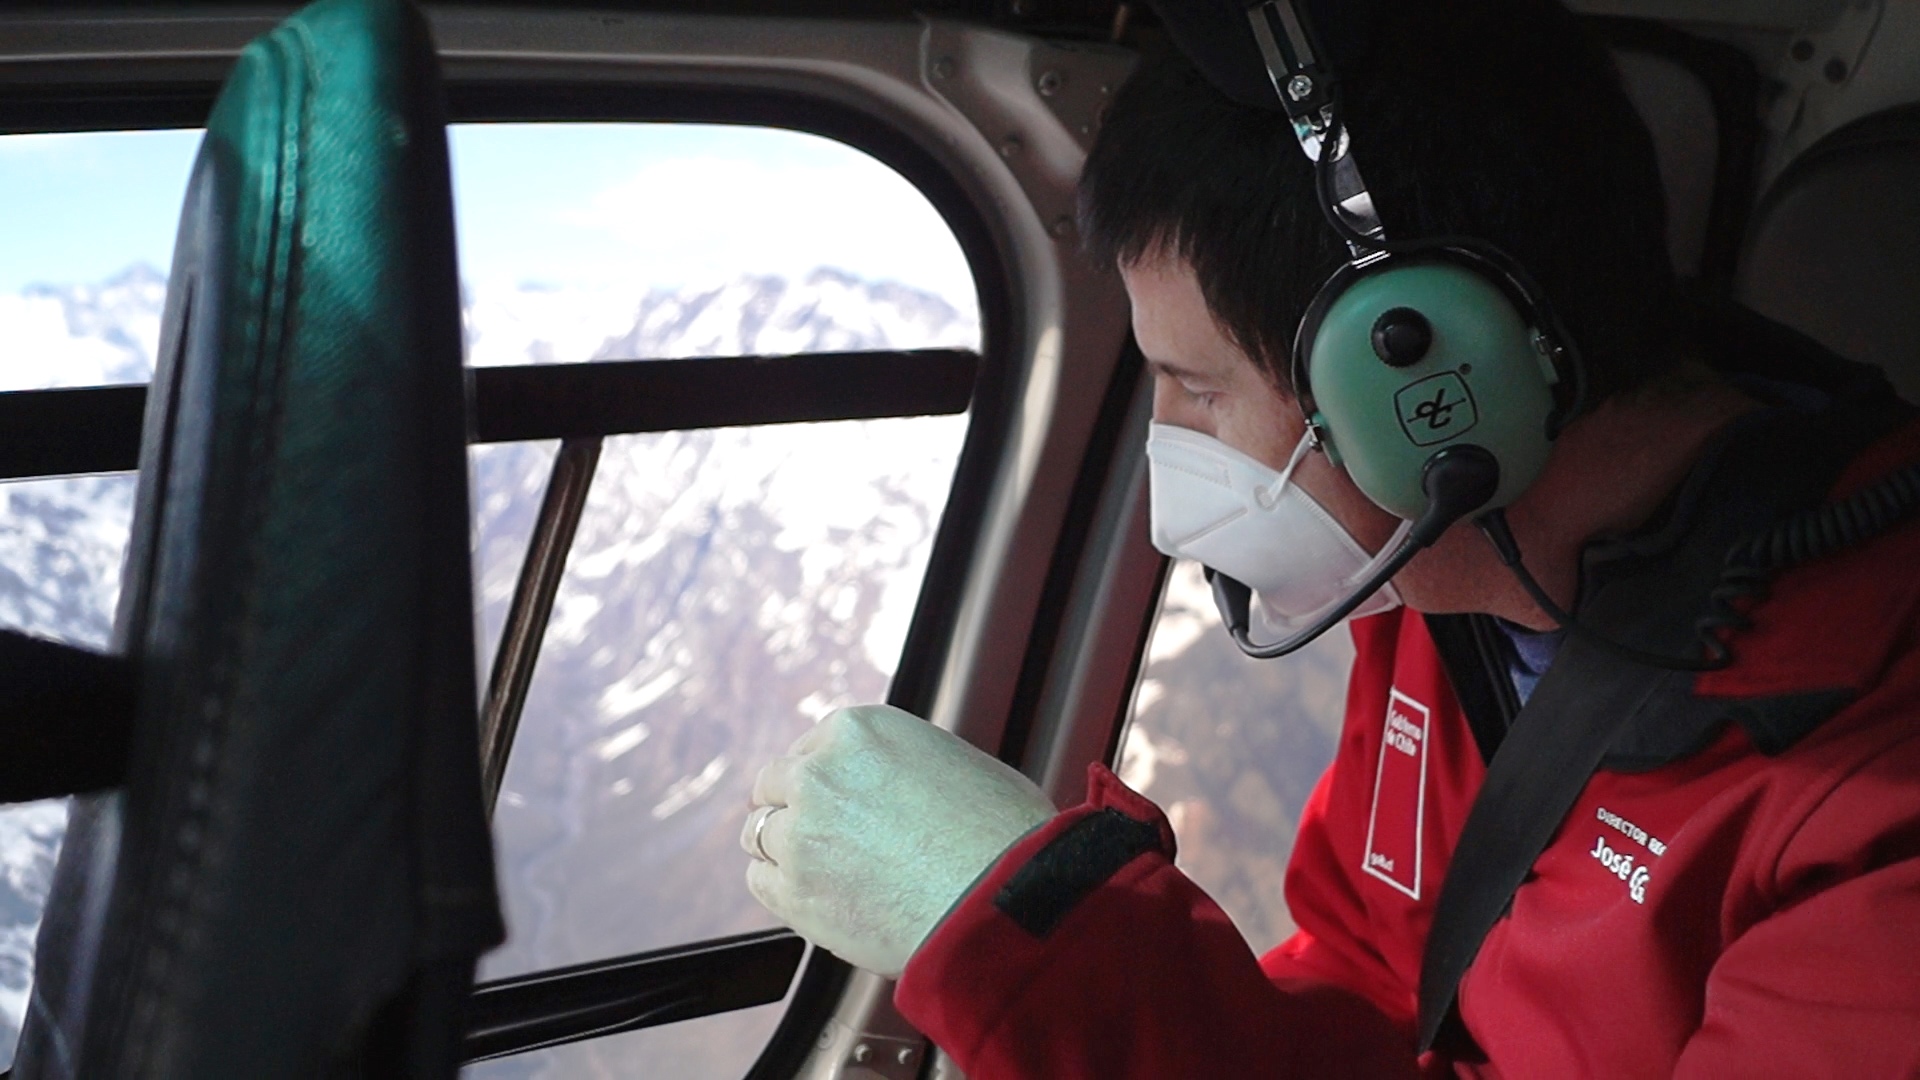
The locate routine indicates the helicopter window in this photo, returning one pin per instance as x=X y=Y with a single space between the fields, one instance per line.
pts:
x=1232 y=747
x=89 y=220
x=725 y=589
x=687 y=240
x=728 y=583
x=725 y=586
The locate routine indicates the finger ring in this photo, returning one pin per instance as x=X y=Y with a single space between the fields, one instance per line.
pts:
x=756 y=849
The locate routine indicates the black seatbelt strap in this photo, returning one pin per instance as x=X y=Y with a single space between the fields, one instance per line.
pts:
x=66 y=718
x=1536 y=776
x=1477 y=669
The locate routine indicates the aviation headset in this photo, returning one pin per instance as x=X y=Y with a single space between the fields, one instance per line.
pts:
x=1412 y=354
x=1434 y=371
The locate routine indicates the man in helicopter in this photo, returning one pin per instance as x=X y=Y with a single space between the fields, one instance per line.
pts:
x=1628 y=782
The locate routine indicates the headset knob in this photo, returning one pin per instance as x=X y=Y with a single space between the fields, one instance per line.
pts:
x=1401 y=336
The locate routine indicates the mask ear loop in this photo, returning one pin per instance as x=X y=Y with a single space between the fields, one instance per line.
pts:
x=1269 y=496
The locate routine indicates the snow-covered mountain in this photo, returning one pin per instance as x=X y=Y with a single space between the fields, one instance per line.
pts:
x=726 y=588
x=82 y=335
x=756 y=315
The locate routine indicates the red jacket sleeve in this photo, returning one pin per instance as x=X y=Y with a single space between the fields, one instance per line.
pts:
x=1084 y=953
x=1819 y=977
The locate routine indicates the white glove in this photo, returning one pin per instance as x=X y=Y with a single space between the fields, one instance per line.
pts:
x=874 y=826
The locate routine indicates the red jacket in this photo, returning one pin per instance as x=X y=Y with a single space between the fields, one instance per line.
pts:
x=1743 y=903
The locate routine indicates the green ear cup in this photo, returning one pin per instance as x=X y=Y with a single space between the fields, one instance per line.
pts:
x=1481 y=380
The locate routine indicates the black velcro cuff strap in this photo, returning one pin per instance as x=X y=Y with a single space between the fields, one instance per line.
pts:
x=1071 y=867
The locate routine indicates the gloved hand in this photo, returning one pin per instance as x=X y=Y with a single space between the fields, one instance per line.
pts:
x=874 y=825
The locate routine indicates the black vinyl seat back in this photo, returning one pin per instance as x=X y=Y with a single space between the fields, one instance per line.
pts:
x=1834 y=247
x=296 y=878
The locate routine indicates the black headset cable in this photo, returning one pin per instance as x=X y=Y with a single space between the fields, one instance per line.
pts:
x=1493 y=525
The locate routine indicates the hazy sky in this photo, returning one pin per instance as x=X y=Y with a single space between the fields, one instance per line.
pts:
x=555 y=203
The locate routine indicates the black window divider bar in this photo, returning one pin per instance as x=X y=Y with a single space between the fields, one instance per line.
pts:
x=97 y=429
x=527 y=616
x=607 y=997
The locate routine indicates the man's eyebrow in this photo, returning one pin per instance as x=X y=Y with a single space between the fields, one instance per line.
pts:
x=1173 y=370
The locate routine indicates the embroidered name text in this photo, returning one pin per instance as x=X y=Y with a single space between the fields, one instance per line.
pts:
x=1622 y=866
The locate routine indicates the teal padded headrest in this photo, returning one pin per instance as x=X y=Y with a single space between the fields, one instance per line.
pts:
x=301 y=842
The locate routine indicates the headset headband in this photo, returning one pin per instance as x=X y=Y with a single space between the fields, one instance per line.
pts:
x=1213 y=34
x=1304 y=82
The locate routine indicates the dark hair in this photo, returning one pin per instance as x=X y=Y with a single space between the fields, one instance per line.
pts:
x=1497 y=119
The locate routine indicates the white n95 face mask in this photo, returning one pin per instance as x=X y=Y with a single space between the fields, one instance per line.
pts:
x=1223 y=509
